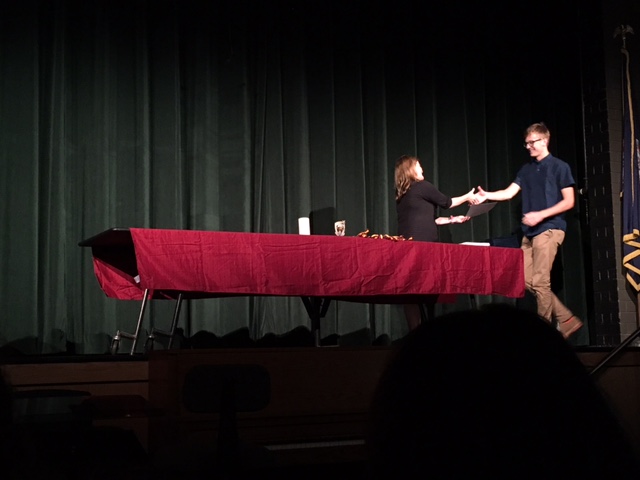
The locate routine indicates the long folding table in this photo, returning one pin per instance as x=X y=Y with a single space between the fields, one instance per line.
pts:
x=145 y=263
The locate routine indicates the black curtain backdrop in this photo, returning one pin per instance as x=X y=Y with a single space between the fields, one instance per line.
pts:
x=243 y=115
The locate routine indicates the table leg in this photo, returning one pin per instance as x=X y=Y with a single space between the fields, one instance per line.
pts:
x=172 y=329
x=316 y=308
x=115 y=343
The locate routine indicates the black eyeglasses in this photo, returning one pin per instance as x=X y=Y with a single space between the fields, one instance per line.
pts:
x=531 y=143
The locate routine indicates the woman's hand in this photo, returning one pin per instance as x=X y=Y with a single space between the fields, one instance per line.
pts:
x=459 y=219
x=470 y=197
x=451 y=219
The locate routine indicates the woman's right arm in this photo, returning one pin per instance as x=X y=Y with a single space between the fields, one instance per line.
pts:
x=466 y=198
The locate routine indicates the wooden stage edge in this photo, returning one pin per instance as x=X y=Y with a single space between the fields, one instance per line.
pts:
x=318 y=397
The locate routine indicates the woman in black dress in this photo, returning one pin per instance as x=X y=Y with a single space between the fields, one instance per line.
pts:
x=416 y=203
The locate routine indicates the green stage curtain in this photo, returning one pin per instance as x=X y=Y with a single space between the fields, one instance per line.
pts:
x=244 y=115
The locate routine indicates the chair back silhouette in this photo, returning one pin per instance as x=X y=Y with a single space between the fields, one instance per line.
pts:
x=226 y=390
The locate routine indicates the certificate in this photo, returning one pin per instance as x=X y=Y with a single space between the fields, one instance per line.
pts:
x=475 y=210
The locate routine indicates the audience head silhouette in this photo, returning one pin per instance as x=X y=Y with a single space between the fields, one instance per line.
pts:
x=493 y=393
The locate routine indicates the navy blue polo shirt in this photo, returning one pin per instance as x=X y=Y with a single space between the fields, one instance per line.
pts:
x=541 y=183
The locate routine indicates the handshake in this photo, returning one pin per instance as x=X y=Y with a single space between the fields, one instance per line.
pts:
x=472 y=198
x=476 y=198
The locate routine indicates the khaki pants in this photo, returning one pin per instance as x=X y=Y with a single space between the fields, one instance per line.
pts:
x=539 y=254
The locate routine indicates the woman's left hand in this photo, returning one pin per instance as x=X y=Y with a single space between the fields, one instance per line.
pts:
x=459 y=219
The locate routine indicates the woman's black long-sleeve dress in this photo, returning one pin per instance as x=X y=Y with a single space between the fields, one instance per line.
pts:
x=417 y=211
x=417 y=219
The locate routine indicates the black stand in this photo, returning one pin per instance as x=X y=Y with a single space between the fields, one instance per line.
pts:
x=615 y=351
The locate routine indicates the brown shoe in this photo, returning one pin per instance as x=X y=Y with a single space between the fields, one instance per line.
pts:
x=570 y=326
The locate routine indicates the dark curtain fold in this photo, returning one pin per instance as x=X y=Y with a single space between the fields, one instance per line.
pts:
x=243 y=116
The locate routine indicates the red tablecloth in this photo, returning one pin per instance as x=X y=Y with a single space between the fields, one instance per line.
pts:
x=210 y=264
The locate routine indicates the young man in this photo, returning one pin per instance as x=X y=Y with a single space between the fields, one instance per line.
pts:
x=547 y=193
